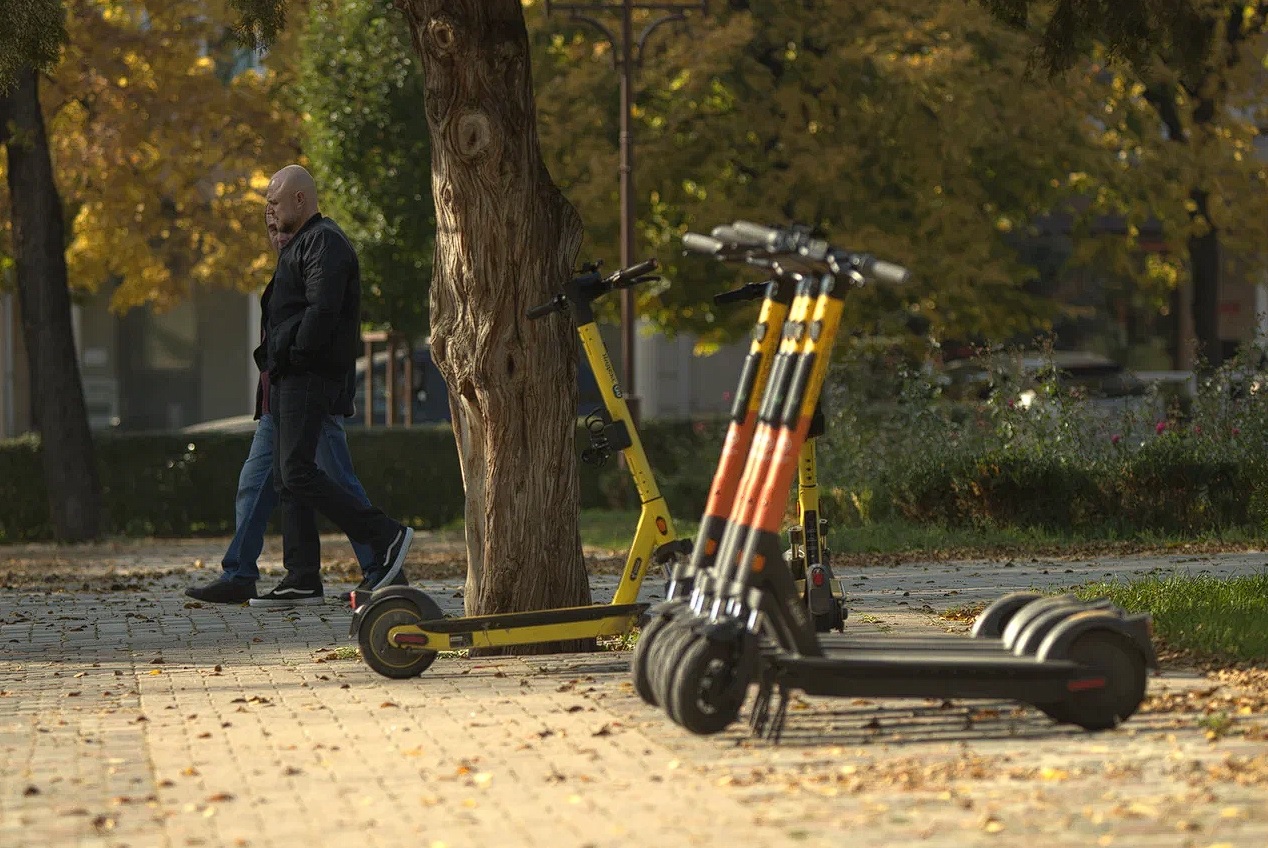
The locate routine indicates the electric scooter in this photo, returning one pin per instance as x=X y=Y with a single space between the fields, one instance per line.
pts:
x=807 y=556
x=745 y=621
x=400 y=629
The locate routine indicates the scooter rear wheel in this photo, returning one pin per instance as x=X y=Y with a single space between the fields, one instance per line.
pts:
x=991 y=622
x=381 y=655
x=706 y=693
x=1113 y=655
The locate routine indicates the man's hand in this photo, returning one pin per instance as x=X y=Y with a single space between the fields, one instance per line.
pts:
x=279 y=239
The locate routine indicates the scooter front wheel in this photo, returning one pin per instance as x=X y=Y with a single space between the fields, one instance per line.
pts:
x=381 y=655
x=708 y=688
x=640 y=663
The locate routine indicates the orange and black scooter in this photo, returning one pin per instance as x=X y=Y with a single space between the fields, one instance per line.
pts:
x=777 y=296
x=1082 y=663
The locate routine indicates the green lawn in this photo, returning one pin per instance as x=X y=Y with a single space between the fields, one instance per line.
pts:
x=1224 y=619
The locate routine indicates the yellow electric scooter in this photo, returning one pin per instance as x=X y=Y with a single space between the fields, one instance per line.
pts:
x=400 y=629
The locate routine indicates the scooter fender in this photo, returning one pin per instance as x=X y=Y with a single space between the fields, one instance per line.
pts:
x=1136 y=628
x=727 y=630
x=666 y=609
x=379 y=597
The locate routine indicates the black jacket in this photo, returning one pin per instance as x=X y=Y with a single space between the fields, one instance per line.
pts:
x=312 y=307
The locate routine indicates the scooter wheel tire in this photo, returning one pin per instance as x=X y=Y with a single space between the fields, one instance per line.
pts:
x=668 y=653
x=1123 y=665
x=641 y=662
x=381 y=655
x=706 y=694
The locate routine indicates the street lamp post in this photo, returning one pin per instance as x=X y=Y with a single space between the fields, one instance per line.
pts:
x=627 y=53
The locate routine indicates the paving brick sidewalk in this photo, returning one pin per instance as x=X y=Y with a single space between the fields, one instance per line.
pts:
x=136 y=719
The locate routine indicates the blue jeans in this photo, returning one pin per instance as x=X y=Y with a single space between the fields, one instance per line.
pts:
x=257 y=497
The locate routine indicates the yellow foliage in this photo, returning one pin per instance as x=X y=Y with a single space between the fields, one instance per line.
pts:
x=161 y=152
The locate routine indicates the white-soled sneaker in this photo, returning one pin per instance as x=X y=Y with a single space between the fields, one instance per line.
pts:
x=289 y=594
x=390 y=562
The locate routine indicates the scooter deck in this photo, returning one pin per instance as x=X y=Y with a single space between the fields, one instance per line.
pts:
x=839 y=642
x=909 y=672
x=518 y=628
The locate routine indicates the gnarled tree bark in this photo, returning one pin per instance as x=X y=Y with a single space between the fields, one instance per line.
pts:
x=506 y=239
x=57 y=391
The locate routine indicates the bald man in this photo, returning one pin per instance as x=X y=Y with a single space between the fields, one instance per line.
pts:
x=312 y=315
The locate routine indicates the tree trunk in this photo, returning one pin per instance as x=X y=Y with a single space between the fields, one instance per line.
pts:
x=1204 y=262
x=506 y=240
x=57 y=393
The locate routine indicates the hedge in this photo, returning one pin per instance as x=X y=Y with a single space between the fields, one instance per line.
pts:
x=178 y=485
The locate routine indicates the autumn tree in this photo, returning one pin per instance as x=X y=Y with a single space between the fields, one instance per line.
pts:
x=161 y=130
x=1198 y=64
x=366 y=138
x=506 y=239
x=165 y=129
x=896 y=126
x=29 y=44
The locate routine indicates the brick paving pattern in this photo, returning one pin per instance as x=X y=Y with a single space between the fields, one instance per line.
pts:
x=135 y=718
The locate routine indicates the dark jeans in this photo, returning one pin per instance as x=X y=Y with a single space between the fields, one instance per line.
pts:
x=300 y=404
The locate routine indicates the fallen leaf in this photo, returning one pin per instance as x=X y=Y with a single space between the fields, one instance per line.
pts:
x=31 y=790
x=220 y=796
x=387 y=704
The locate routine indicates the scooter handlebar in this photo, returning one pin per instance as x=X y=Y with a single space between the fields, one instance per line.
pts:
x=757 y=235
x=750 y=291
x=697 y=243
x=890 y=273
x=634 y=274
x=557 y=304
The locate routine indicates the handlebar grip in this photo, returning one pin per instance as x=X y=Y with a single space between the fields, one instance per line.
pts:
x=756 y=234
x=889 y=273
x=628 y=274
x=544 y=309
x=696 y=243
x=727 y=235
x=750 y=291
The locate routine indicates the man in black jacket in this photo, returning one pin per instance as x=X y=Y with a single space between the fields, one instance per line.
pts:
x=312 y=315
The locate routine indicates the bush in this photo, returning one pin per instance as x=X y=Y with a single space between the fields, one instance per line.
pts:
x=1068 y=466
x=175 y=485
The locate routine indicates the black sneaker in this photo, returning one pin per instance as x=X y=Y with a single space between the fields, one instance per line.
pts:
x=373 y=580
x=388 y=564
x=226 y=590
x=289 y=593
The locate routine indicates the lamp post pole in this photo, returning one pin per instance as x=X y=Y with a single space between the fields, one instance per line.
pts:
x=627 y=54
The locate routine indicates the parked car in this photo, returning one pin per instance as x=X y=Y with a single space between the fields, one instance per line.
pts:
x=1105 y=384
x=430 y=396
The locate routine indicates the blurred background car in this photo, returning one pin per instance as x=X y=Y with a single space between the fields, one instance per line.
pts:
x=1104 y=384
